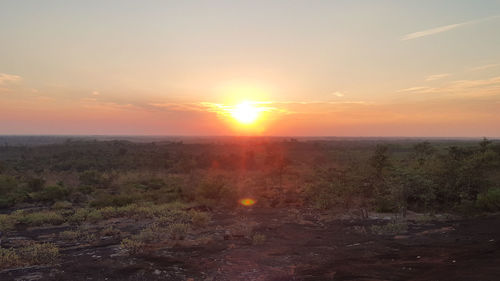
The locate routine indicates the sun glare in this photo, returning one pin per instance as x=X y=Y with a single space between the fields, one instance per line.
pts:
x=245 y=113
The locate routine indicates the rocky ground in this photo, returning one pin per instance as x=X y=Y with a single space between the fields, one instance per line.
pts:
x=280 y=244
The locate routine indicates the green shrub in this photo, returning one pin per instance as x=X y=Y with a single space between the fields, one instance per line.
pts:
x=52 y=193
x=94 y=216
x=110 y=231
x=79 y=216
x=61 y=205
x=117 y=200
x=35 y=253
x=258 y=239
x=9 y=258
x=151 y=233
x=490 y=200
x=132 y=246
x=40 y=218
x=390 y=228
x=7 y=222
x=216 y=192
x=69 y=235
x=11 y=192
x=178 y=231
x=199 y=219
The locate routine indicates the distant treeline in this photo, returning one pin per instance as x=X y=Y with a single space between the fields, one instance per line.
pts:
x=395 y=176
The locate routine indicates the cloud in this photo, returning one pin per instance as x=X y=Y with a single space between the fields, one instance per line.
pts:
x=441 y=29
x=478 y=87
x=413 y=89
x=95 y=93
x=437 y=76
x=338 y=94
x=483 y=67
x=8 y=78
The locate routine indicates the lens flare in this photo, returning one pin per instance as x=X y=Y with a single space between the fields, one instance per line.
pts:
x=247 y=202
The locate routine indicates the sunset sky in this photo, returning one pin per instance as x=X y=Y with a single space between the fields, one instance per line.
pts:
x=304 y=68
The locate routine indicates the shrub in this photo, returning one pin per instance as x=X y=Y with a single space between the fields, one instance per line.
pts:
x=110 y=231
x=390 y=228
x=7 y=222
x=35 y=253
x=151 y=233
x=178 y=231
x=52 y=193
x=94 y=216
x=62 y=205
x=199 y=219
x=69 y=235
x=490 y=200
x=9 y=258
x=118 y=200
x=216 y=192
x=132 y=246
x=258 y=239
x=40 y=218
x=79 y=216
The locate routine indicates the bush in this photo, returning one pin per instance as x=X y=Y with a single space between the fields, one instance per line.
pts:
x=11 y=192
x=132 y=246
x=39 y=218
x=62 y=205
x=390 y=228
x=35 y=253
x=7 y=222
x=118 y=200
x=258 y=239
x=94 y=216
x=216 y=192
x=178 y=231
x=31 y=254
x=151 y=233
x=79 y=216
x=490 y=200
x=52 y=193
x=69 y=235
x=9 y=258
x=199 y=219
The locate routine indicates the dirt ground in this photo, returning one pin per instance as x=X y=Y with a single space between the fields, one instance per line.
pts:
x=289 y=245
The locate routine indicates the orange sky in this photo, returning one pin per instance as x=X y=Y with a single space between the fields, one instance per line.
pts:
x=335 y=68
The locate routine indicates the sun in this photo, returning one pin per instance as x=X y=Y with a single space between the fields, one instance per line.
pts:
x=245 y=113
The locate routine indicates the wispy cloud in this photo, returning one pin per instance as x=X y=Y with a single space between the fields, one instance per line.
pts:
x=338 y=94
x=437 y=76
x=9 y=78
x=444 y=28
x=483 y=67
x=479 y=87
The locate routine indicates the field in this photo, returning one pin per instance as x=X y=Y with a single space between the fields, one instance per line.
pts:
x=133 y=208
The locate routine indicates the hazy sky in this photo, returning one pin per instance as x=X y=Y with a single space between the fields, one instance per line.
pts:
x=355 y=68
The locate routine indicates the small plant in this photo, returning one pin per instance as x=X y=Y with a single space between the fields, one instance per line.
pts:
x=7 y=222
x=490 y=200
x=390 y=228
x=151 y=233
x=199 y=219
x=178 y=231
x=9 y=258
x=94 y=216
x=70 y=235
x=61 y=205
x=40 y=218
x=79 y=216
x=110 y=231
x=132 y=246
x=258 y=239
